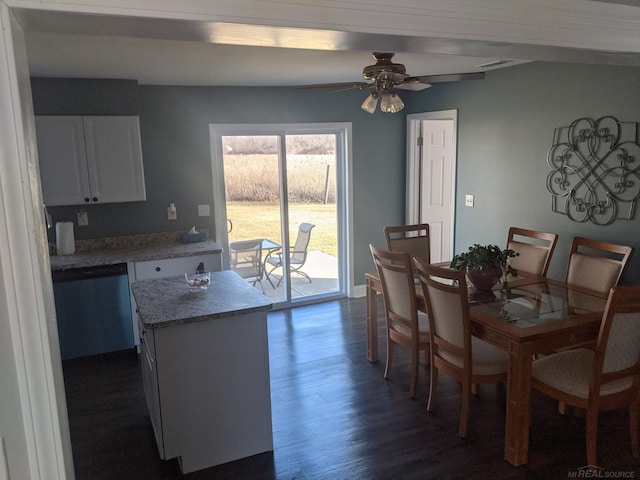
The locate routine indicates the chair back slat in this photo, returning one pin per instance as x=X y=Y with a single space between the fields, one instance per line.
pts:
x=534 y=248
x=596 y=265
x=411 y=239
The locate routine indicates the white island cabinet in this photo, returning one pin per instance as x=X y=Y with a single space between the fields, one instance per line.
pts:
x=205 y=365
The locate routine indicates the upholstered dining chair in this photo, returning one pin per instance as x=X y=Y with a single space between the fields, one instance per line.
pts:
x=405 y=325
x=606 y=378
x=454 y=351
x=534 y=248
x=596 y=265
x=411 y=239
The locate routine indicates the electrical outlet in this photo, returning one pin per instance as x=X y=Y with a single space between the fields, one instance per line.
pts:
x=204 y=211
x=83 y=218
x=468 y=201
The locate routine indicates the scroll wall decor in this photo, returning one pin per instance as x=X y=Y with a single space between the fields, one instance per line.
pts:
x=595 y=170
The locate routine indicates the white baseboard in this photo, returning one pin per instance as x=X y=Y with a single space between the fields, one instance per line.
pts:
x=358 y=291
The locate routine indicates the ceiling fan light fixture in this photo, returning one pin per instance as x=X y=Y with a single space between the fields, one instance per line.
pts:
x=370 y=103
x=391 y=103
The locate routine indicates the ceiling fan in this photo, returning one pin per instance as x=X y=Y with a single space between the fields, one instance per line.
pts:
x=385 y=77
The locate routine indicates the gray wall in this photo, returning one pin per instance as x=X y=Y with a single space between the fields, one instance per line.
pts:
x=505 y=129
x=174 y=124
x=506 y=125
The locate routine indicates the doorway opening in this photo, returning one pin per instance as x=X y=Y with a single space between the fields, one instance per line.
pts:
x=281 y=208
x=431 y=177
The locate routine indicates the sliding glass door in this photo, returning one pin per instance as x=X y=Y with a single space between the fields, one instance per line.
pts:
x=281 y=208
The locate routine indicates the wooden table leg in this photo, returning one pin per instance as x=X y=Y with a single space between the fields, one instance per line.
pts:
x=372 y=322
x=516 y=435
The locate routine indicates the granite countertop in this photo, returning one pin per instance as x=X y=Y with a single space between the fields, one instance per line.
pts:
x=134 y=248
x=168 y=301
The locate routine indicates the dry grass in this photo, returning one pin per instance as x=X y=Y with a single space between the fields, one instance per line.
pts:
x=262 y=220
x=255 y=178
x=252 y=192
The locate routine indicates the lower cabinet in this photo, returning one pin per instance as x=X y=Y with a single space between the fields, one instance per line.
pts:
x=207 y=389
x=176 y=266
x=148 y=366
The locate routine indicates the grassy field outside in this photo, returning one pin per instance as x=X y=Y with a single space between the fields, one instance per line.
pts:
x=262 y=220
x=252 y=190
x=255 y=178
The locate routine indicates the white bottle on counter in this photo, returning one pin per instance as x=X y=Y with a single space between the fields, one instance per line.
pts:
x=65 y=241
x=172 y=214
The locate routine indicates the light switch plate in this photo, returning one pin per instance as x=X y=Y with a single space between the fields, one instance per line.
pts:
x=204 y=211
x=468 y=201
x=83 y=218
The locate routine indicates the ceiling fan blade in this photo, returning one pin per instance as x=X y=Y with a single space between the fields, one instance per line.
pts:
x=413 y=86
x=449 y=77
x=348 y=85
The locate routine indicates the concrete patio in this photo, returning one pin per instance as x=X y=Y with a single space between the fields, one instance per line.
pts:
x=321 y=268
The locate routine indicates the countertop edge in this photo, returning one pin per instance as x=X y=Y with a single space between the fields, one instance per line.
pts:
x=204 y=318
x=92 y=258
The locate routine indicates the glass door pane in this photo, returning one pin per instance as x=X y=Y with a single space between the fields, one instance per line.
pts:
x=252 y=191
x=282 y=212
x=311 y=201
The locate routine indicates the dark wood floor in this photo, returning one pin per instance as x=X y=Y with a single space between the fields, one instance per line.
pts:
x=334 y=417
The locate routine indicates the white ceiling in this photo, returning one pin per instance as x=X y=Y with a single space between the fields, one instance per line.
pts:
x=168 y=62
x=180 y=52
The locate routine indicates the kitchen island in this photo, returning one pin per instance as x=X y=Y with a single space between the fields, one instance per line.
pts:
x=205 y=364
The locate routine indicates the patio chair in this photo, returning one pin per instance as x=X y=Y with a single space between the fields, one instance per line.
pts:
x=297 y=256
x=245 y=258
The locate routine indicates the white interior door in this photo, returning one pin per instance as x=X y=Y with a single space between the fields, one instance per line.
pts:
x=431 y=178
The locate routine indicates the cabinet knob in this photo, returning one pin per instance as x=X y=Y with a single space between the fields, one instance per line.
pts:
x=158 y=269
x=86 y=199
x=95 y=199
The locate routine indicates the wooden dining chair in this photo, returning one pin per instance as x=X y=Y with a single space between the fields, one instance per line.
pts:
x=596 y=265
x=534 y=248
x=411 y=239
x=606 y=378
x=405 y=325
x=468 y=359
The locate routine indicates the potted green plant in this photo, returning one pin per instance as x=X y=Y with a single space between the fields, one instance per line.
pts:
x=485 y=265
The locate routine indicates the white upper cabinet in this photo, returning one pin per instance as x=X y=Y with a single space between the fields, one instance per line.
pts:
x=90 y=159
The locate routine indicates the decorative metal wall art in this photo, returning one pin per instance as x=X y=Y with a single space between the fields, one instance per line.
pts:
x=595 y=170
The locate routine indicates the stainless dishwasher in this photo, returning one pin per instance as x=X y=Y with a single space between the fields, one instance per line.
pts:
x=93 y=310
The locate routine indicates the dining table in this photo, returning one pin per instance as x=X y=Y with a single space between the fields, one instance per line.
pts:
x=526 y=316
